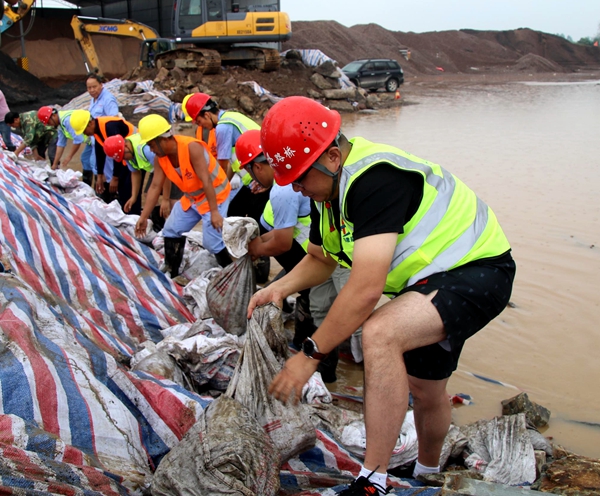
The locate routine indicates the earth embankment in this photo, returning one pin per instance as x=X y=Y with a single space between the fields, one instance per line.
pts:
x=55 y=60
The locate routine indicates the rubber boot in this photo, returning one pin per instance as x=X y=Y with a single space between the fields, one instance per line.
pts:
x=174 y=254
x=328 y=365
x=262 y=268
x=223 y=258
x=304 y=326
x=87 y=177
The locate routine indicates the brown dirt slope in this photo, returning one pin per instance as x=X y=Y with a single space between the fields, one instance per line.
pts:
x=461 y=51
x=55 y=59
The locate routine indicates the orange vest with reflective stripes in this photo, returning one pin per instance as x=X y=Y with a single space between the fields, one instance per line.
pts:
x=189 y=182
x=100 y=133
x=212 y=140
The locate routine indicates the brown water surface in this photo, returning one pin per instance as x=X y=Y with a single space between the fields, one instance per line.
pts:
x=532 y=152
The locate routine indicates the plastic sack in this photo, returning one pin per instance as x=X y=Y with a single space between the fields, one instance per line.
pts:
x=225 y=452
x=160 y=363
x=501 y=450
x=264 y=354
x=196 y=260
x=195 y=293
x=204 y=359
x=237 y=233
x=229 y=293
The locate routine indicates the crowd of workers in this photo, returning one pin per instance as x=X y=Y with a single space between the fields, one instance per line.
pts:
x=349 y=220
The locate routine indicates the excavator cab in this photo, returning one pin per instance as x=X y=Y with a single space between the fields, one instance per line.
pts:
x=227 y=21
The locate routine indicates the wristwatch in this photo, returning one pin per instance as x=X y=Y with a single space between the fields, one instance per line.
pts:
x=311 y=350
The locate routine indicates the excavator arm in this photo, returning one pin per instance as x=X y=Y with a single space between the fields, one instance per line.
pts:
x=13 y=12
x=83 y=27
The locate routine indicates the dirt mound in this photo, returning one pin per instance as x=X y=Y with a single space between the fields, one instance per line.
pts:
x=456 y=53
x=535 y=63
x=60 y=60
x=24 y=91
x=453 y=51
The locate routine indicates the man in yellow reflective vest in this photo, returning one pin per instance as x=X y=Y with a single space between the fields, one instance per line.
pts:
x=187 y=163
x=409 y=229
x=285 y=227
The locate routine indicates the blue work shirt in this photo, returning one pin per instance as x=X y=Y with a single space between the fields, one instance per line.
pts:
x=62 y=139
x=288 y=206
x=105 y=105
x=227 y=136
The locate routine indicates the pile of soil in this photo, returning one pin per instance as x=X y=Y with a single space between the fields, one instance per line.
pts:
x=24 y=91
x=441 y=57
x=463 y=51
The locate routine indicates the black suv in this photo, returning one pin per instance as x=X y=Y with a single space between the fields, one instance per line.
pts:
x=375 y=73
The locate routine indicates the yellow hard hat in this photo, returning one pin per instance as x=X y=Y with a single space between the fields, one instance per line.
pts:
x=152 y=126
x=184 y=110
x=79 y=120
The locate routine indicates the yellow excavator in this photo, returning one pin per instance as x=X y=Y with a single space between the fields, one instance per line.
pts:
x=84 y=27
x=204 y=35
x=13 y=11
x=211 y=33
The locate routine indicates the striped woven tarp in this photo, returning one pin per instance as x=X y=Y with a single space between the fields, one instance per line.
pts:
x=80 y=297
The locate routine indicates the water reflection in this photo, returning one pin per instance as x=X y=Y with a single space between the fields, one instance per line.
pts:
x=532 y=152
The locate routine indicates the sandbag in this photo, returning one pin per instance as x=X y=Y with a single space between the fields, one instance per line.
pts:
x=195 y=293
x=264 y=354
x=159 y=362
x=229 y=293
x=226 y=452
x=501 y=450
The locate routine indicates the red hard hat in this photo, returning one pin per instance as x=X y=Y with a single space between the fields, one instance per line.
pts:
x=295 y=133
x=196 y=103
x=247 y=147
x=44 y=114
x=114 y=147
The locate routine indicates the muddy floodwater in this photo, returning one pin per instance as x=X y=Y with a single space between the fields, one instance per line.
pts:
x=532 y=152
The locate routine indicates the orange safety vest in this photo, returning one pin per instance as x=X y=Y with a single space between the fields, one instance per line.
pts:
x=189 y=182
x=212 y=140
x=100 y=135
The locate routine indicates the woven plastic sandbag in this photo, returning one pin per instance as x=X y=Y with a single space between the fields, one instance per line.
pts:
x=229 y=293
x=264 y=354
x=501 y=450
x=225 y=452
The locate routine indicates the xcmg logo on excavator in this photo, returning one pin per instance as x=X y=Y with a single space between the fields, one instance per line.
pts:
x=110 y=29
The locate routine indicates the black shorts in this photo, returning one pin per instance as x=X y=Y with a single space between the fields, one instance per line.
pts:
x=467 y=299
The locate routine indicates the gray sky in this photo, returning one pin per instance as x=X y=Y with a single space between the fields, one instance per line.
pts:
x=575 y=18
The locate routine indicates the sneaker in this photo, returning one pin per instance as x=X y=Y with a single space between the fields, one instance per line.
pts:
x=363 y=487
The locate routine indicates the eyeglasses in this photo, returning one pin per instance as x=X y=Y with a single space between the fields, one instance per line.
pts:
x=298 y=181
x=250 y=169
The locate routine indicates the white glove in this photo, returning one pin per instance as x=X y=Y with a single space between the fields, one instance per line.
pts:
x=236 y=182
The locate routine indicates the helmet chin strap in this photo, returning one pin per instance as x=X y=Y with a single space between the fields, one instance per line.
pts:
x=334 y=175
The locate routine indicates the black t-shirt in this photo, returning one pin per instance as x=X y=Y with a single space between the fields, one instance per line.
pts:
x=382 y=200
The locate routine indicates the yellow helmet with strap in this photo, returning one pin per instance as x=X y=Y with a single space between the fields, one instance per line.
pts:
x=153 y=126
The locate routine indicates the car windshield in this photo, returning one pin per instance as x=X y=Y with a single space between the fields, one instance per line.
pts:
x=352 y=66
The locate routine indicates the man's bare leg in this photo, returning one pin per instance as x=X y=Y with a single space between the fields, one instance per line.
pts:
x=432 y=417
x=408 y=322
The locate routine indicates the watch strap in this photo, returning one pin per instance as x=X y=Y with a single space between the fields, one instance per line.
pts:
x=316 y=354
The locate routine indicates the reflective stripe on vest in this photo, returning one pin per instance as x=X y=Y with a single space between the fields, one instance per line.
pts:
x=188 y=182
x=450 y=228
x=243 y=124
x=301 y=229
x=100 y=135
x=139 y=162
x=62 y=115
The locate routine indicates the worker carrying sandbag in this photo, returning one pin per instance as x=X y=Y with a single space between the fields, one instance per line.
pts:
x=406 y=228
